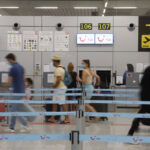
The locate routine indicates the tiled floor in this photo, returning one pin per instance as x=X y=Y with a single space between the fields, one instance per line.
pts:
x=111 y=127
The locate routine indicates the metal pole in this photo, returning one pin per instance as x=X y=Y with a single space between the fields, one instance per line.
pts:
x=80 y=121
x=75 y=142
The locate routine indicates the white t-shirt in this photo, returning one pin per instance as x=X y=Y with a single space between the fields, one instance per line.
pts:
x=61 y=73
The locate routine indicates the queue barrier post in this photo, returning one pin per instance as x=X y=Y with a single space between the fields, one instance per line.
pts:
x=80 y=121
x=75 y=141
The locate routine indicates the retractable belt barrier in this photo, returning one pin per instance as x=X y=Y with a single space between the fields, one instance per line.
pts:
x=34 y=137
x=116 y=139
x=80 y=89
x=76 y=137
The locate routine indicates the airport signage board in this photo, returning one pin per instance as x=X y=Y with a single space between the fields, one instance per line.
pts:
x=144 y=34
x=85 y=26
x=97 y=39
x=104 y=26
x=85 y=38
x=104 y=39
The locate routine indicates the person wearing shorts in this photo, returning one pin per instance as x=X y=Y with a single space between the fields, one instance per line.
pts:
x=58 y=84
x=87 y=80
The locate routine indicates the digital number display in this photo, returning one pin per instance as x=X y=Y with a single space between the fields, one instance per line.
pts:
x=86 y=26
x=104 y=26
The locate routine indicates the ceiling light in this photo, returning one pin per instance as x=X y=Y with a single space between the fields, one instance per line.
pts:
x=106 y=4
x=85 y=7
x=46 y=7
x=103 y=15
x=104 y=11
x=124 y=7
x=0 y=15
x=11 y=7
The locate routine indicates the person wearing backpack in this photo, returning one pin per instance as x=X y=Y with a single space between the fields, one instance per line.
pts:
x=61 y=79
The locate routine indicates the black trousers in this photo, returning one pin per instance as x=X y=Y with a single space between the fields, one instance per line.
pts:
x=136 y=121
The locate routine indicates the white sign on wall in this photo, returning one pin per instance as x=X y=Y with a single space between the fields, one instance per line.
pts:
x=30 y=41
x=61 y=41
x=104 y=39
x=45 y=41
x=14 y=41
x=85 y=38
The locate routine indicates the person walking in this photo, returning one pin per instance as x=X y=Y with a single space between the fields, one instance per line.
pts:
x=16 y=79
x=87 y=81
x=59 y=76
x=145 y=96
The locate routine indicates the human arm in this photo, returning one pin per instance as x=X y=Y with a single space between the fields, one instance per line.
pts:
x=78 y=79
x=97 y=77
x=58 y=80
x=8 y=83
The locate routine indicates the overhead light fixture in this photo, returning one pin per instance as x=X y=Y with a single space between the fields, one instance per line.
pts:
x=104 y=11
x=106 y=4
x=124 y=7
x=46 y=7
x=0 y=15
x=103 y=15
x=11 y=7
x=85 y=7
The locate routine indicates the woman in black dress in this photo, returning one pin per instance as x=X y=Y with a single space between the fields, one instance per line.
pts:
x=73 y=85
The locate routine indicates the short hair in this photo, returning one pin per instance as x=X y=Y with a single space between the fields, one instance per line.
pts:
x=87 y=61
x=70 y=67
x=11 y=56
x=29 y=80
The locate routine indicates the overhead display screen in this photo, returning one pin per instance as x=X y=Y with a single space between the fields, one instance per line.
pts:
x=104 y=39
x=85 y=26
x=104 y=26
x=85 y=39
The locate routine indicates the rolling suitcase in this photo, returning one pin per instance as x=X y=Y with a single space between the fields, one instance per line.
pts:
x=2 y=109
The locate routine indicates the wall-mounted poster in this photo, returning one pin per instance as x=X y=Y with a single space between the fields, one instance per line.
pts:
x=104 y=39
x=14 y=41
x=45 y=41
x=85 y=38
x=144 y=34
x=61 y=41
x=30 y=41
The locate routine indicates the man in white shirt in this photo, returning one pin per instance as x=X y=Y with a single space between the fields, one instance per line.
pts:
x=59 y=75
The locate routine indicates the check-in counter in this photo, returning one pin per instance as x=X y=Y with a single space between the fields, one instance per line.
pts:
x=126 y=98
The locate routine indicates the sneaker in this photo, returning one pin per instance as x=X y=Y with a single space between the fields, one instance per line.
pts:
x=25 y=130
x=10 y=131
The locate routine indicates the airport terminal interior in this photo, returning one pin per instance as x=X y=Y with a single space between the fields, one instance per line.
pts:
x=74 y=74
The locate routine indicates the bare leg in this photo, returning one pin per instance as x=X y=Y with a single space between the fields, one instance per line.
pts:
x=52 y=119
x=64 y=107
x=89 y=108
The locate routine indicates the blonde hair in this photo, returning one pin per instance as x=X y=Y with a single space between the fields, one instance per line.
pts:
x=70 y=67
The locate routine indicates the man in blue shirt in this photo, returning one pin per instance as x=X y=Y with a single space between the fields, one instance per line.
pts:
x=16 y=79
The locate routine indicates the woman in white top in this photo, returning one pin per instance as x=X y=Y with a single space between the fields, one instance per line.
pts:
x=87 y=80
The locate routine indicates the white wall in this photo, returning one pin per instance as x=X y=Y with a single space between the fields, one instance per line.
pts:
x=124 y=50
